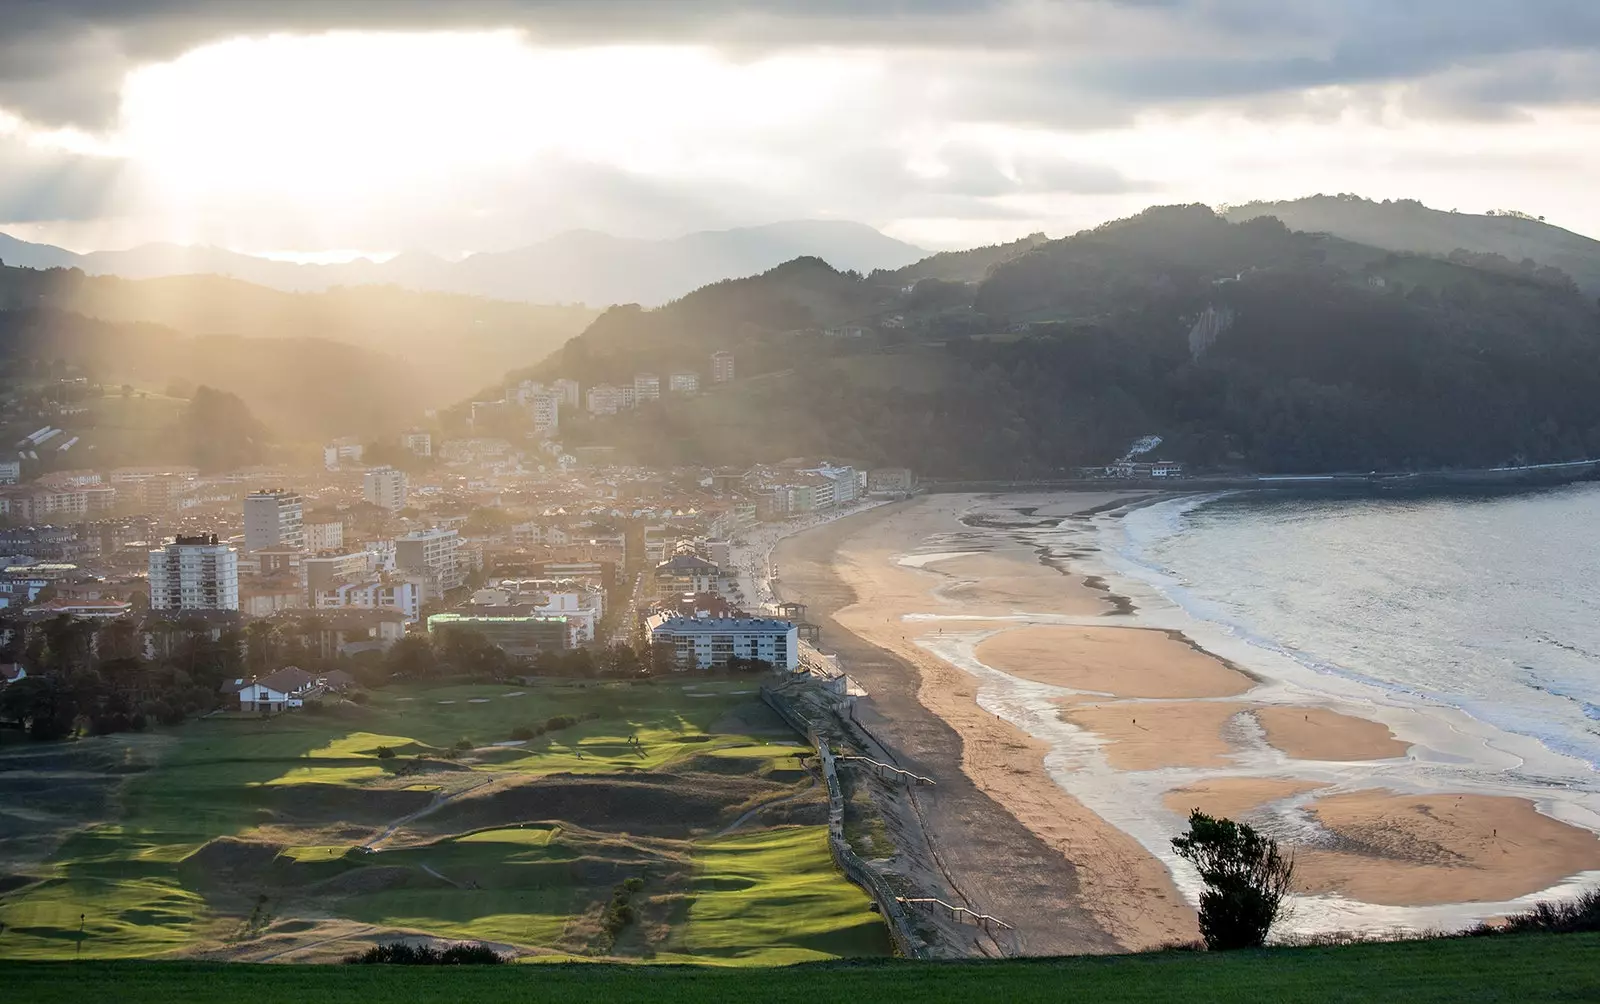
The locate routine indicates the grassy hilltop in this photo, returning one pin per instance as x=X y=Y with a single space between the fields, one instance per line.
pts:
x=308 y=836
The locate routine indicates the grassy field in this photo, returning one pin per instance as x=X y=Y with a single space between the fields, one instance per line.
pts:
x=1525 y=968
x=253 y=838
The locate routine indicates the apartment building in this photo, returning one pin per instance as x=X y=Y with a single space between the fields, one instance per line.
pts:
x=324 y=536
x=400 y=595
x=567 y=390
x=684 y=383
x=545 y=407
x=273 y=518
x=646 y=387
x=433 y=554
x=721 y=367
x=385 y=487
x=194 y=573
x=706 y=642
x=327 y=571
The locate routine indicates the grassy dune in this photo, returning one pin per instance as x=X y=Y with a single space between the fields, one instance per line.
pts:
x=275 y=833
x=1522 y=968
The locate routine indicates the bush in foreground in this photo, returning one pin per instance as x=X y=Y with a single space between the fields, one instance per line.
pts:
x=1582 y=914
x=1246 y=878
x=398 y=953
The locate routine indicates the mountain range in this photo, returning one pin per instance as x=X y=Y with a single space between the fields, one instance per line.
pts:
x=581 y=266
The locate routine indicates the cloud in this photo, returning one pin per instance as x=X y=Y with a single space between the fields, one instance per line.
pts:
x=63 y=61
x=45 y=184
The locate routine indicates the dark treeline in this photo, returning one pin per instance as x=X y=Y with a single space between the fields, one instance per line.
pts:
x=94 y=678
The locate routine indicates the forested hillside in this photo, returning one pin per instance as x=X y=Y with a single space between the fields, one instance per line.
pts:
x=1408 y=225
x=460 y=342
x=1245 y=345
x=301 y=389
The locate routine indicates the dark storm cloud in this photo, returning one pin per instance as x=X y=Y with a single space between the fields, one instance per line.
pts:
x=1067 y=61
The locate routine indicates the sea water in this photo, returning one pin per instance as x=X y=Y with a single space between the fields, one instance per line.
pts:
x=1489 y=603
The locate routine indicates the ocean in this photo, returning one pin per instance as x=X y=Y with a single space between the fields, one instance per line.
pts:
x=1486 y=603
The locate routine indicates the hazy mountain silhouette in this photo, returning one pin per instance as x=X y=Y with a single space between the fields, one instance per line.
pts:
x=579 y=266
x=1408 y=225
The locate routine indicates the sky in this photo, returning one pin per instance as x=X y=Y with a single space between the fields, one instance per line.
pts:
x=322 y=130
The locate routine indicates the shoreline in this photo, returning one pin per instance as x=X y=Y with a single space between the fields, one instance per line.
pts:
x=1354 y=785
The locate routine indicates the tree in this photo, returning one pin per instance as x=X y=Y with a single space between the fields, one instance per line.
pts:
x=1246 y=878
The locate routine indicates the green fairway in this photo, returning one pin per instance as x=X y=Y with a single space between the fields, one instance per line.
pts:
x=1512 y=969
x=774 y=889
x=246 y=823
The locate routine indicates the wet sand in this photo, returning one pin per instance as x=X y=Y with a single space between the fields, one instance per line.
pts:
x=887 y=584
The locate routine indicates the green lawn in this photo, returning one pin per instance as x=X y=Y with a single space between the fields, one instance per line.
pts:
x=1528 y=968
x=150 y=882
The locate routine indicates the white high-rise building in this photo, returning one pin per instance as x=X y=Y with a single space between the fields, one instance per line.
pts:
x=273 y=519
x=433 y=554
x=604 y=399
x=684 y=383
x=546 y=409
x=646 y=387
x=194 y=573
x=385 y=487
x=721 y=367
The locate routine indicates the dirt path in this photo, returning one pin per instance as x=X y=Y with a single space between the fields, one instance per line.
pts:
x=439 y=801
x=977 y=853
x=764 y=807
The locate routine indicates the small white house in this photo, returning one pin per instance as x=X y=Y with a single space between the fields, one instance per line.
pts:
x=287 y=688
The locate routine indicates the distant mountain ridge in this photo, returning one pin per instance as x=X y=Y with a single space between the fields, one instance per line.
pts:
x=1408 y=225
x=580 y=266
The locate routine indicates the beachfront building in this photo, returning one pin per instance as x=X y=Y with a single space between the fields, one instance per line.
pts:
x=686 y=573
x=708 y=642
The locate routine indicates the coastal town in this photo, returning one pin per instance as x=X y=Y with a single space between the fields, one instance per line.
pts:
x=538 y=549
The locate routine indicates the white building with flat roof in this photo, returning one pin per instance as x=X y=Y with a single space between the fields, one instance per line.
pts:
x=567 y=390
x=684 y=383
x=721 y=367
x=646 y=387
x=707 y=642
x=401 y=596
x=385 y=488
x=194 y=573
x=273 y=519
x=433 y=554
x=324 y=536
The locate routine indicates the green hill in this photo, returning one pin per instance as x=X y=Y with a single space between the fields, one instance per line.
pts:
x=1408 y=225
x=1245 y=345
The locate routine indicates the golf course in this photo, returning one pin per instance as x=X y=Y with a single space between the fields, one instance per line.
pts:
x=670 y=822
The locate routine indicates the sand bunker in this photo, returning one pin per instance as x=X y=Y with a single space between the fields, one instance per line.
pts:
x=1122 y=662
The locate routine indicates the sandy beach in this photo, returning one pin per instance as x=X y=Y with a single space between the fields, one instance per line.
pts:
x=1093 y=733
